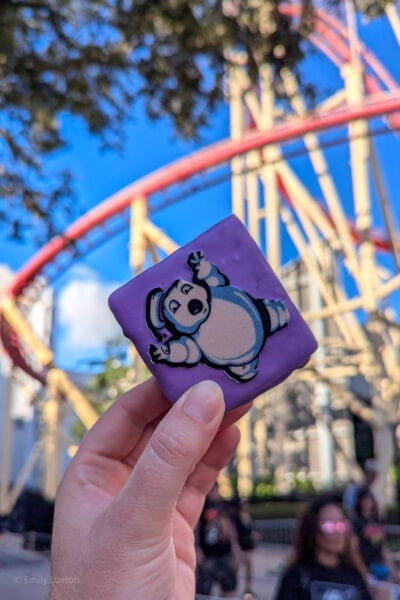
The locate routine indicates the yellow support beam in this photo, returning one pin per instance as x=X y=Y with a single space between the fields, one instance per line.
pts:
x=394 y=19
x=138 y=242
x=72 y=393
x=272 y=155
x=324 y=177
x=237 y=126
x=16 y=319
x=159 y=238
x=243 y=453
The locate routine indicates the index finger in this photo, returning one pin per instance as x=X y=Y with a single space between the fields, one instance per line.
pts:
x=117 y=432
x=121 y=427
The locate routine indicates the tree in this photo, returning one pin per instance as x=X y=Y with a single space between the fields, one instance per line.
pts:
x=55 y=59
x=93 y=58
x=113 y=377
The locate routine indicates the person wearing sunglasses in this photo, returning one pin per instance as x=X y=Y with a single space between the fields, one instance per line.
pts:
x=325 y=563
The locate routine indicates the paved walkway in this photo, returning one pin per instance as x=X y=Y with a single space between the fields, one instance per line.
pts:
x=24 y=575
x=268 y=561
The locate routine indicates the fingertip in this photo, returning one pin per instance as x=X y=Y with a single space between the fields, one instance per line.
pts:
x=204 y=402
x=232 y=434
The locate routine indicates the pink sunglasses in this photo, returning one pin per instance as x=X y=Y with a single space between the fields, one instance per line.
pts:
x=334 y=526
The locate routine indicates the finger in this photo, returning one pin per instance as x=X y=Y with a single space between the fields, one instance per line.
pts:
x=132 y=458
x=191 y=500
x=235 y=414
x=178 y=443
x=117 y=432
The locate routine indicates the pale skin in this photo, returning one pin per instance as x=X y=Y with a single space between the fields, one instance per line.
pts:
x=129 y=501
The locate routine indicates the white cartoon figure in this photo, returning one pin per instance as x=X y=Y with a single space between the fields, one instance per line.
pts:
x=210 y=321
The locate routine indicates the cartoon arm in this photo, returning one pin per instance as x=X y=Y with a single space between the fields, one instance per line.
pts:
x=180 y=351
x=204 y=270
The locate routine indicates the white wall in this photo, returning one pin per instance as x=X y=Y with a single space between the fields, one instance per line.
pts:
x=21 y=388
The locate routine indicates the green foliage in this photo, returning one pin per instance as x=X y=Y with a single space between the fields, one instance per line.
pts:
x=94 y=58
x=55 y=59
x=112 y=381
x=184 y=48
x=372 y=8
x=276 y=510
x=303 y=484
x=114 y=377
x=265 y=487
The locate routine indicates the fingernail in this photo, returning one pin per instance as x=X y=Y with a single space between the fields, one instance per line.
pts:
x=202 y=402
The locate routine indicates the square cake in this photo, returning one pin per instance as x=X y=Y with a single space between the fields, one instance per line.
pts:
x=214 y=309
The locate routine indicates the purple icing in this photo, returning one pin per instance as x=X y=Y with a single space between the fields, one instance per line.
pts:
x=171 y=313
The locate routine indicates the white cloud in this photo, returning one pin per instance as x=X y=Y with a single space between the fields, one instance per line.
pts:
x=83 y=312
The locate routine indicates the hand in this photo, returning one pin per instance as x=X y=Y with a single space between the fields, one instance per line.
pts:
x=195 y=259
x=128 y=503
x=158 y=352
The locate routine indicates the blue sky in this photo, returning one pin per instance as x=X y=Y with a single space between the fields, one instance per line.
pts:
x=150 y=145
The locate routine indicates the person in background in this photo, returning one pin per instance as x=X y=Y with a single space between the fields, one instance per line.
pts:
x=370 y=532
x=325 y=562
x=218 y=552
x=370 y=472
x=247 y=538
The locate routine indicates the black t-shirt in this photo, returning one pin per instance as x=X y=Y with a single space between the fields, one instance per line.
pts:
x=371 y=536
x=316 y=582
x=244 y=532
x=213 y=539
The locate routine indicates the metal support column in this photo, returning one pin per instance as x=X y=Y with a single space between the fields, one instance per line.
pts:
x=325 y=439
x=237 y=130
x=243 y=453
x=51 y=421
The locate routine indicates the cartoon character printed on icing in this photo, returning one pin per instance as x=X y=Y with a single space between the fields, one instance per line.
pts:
x=210 y=321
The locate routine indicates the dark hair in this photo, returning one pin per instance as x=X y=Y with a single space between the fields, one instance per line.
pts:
x=307 y=529
x=365 y=492
x=306 y=533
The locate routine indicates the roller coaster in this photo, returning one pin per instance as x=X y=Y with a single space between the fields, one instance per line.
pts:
x=354 y=266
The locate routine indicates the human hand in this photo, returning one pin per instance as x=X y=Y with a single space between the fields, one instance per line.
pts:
x=128 y=503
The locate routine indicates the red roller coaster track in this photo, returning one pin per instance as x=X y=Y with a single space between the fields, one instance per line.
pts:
x=330 y=37
x=199 y=161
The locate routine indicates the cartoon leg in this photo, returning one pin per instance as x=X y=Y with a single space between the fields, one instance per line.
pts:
x=278 y=313
x=244 y=372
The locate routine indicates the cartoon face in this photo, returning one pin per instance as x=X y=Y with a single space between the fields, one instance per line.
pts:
x=211 y=321
x=186 y=305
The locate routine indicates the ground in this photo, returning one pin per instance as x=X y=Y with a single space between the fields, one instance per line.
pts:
x=24 y=575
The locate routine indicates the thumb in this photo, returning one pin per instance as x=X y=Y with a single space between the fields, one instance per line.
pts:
x=178 y=443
